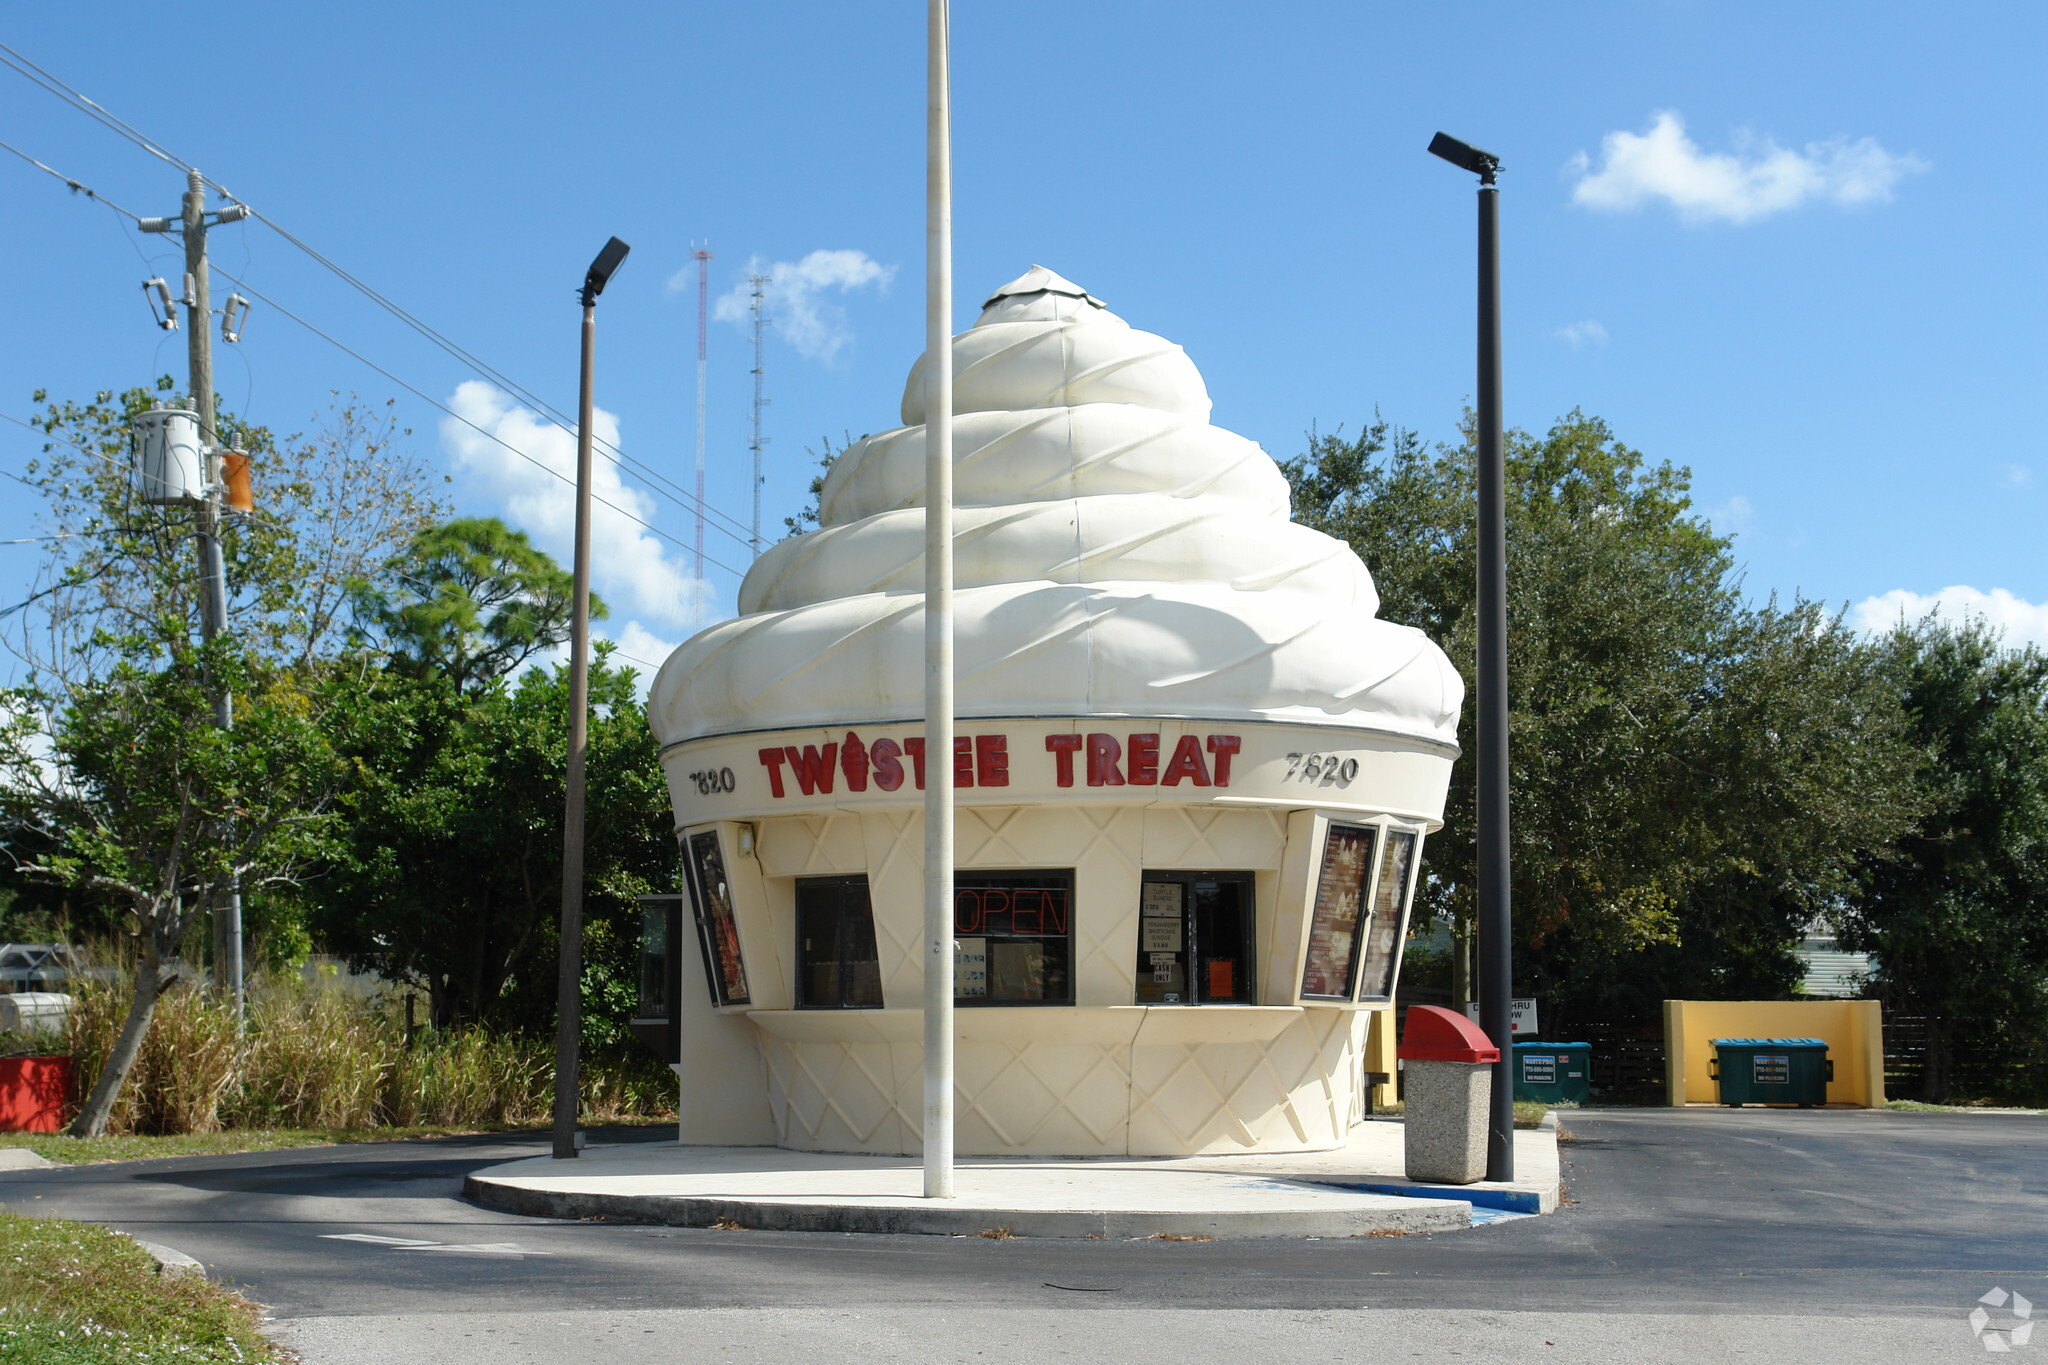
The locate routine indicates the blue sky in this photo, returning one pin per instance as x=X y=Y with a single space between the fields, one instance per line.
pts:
x=1791 y=247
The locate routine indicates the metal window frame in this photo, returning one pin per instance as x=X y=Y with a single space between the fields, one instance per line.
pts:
x=1377 y=829
x=700 y=909
x=1246 y=878
x=859 y=879
x=1403 y=911
x=961 y=875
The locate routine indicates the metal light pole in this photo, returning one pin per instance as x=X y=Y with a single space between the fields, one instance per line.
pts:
x=938 y=616
x=1496 y=906
x=568 y=985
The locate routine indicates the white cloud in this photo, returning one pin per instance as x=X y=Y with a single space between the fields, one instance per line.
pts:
x=1579 y=335
x=641 y=650
x=795 y=297
x=1755 y=180
x=1733 y=515
x=629 y=564
x=2022 y=622
x=2014 y=476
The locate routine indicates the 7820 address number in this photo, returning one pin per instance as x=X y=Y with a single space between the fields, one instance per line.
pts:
x=1323 y=770
x=714 y=780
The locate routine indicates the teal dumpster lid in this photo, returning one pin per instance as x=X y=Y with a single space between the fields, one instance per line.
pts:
x=1550 y=1047
x=1769 y=1042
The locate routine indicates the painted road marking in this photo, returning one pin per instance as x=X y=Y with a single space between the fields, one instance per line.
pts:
x=418 y=1244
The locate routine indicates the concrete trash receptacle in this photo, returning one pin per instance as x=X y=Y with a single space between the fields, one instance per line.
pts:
x=1447 y=1061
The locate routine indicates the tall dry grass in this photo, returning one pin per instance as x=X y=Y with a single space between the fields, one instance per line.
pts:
x=315 y=1057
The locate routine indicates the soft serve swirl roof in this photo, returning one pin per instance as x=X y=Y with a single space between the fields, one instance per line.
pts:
x=1114 y=555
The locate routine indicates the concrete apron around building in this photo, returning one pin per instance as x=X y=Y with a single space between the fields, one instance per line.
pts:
x=1350 y=1191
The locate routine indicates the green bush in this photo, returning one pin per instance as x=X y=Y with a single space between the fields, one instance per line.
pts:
x=317 y=1057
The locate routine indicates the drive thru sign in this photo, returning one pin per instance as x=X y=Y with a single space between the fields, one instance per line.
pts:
x=1521 y=1014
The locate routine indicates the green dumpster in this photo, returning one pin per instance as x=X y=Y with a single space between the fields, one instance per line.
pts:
x=1554 y=1073
x=1772 y=1071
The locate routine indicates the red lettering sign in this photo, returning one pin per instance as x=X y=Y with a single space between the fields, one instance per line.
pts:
x=1144 y=761
x=992 y=760
x=984 y=761
x=1186 y=765
x=1223 y=746
x=771 y=759
x=887 y=756
x=1103 y=752
x=813 y=768
x=853 y=761
x=1062 y=748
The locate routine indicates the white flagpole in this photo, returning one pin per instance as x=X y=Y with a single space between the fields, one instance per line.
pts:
x=938 y=618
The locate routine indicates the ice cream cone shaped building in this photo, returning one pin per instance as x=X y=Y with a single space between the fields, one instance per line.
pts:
x=1195 y=774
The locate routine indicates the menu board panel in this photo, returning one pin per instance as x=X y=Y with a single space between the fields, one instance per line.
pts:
x=1339 y=912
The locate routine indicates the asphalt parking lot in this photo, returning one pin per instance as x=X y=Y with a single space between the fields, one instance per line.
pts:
x=1877 y=1231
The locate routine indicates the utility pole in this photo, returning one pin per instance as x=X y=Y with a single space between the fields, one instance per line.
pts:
x=761 y=321
x=213 y=611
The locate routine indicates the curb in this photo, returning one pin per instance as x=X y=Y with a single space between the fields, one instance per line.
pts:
x=170 y=1264
x=22 y=1159
x=957 y=1221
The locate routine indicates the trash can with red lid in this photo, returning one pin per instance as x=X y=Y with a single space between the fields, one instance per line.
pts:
x=1448 y=1064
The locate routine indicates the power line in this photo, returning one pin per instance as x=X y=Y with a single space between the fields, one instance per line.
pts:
x=91 y=108
x=424 y=397
x=251 y=516
x=76 y=99
x=75 y=186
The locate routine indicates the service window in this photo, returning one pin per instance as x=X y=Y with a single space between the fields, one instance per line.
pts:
x=711 y=896
x=656 y=947
x=1389 y=922
x=836 y=963
x=1340 y=913
x=1195 y=938
x=1013 y=938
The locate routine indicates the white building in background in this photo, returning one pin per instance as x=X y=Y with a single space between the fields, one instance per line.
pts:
x=1195 y=773
x=1828 y=971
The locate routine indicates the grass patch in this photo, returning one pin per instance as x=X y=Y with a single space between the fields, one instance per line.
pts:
x=1528 y=1113
x=1978 y=1106
x=144 y=1147
x=74 y=1294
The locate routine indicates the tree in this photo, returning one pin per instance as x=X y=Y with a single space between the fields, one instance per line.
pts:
x=137 y=796
x=117 y=778
x=1957 y=915
x=1692 y=776
x=472 y=600
x=452 y=873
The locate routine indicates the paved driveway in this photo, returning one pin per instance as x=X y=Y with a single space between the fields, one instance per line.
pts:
x=1700 y=1234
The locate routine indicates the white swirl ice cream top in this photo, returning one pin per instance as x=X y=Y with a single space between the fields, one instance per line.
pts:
x=1114 y=555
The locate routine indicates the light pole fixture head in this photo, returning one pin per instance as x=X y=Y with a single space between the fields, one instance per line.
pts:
x=602 y=269
x=1465 y=156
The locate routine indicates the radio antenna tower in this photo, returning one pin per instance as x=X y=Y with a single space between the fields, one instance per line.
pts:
x=702 y=256
x=761 y=323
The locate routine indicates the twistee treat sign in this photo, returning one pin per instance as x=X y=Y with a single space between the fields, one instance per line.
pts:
x=743 y=776
x=1104 y=760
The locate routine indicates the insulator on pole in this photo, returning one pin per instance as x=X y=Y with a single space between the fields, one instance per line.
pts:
x=158 y=295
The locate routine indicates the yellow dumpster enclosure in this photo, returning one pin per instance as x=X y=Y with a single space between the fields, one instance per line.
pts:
x=1852 y=1029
